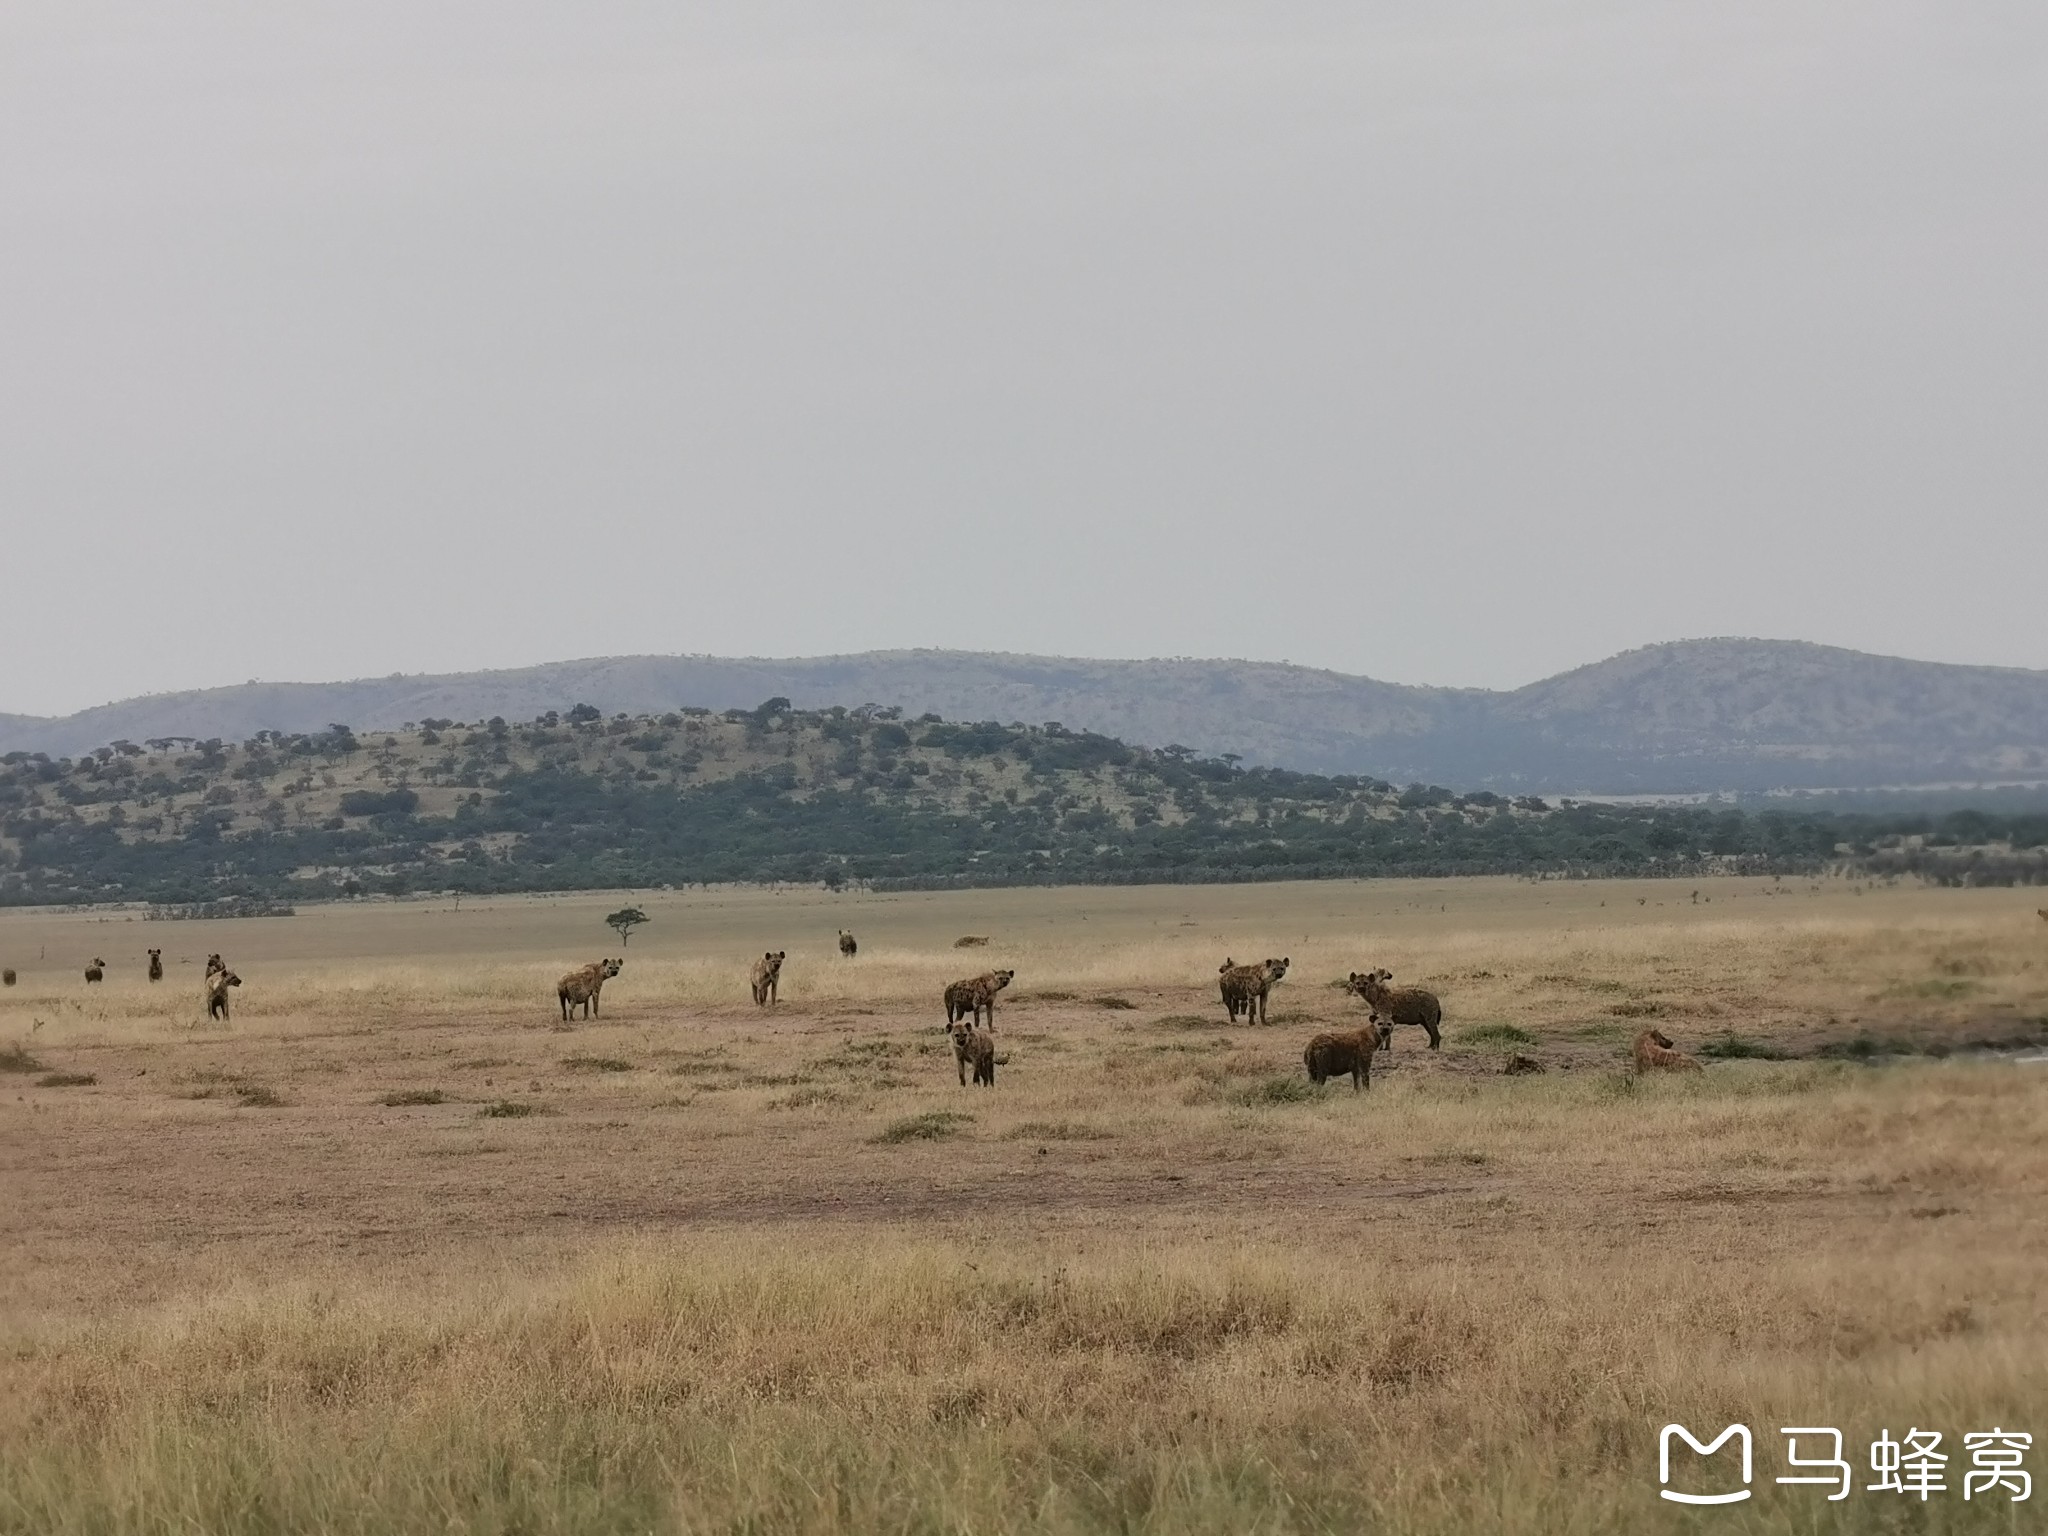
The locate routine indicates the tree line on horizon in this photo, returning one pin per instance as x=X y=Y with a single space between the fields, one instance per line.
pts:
x=573 y=800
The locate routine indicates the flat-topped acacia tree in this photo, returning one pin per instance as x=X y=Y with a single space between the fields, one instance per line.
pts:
x=625 y=920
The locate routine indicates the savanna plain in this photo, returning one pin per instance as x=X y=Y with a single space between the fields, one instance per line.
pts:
x=396 y=1249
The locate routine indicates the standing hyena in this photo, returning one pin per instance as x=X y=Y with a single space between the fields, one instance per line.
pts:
x=767 y=975
x=1399 y=1005
x=156 y=965
x=581 y=987
x=97 y=971
x=976 y=1048
x=217 y=993
x=967 y=999
x=1346 y=1050
x=1244 y=987
x=848 y=946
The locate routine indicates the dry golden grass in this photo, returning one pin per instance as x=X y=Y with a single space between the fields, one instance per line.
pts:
x=397 y=1251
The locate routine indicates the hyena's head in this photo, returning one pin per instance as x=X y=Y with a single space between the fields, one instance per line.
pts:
x=1275 y=969
x=1002 y=979
x=612 y=968
x=1661 y=1038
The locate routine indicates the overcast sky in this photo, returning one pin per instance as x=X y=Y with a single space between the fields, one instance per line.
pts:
x=1445 y=342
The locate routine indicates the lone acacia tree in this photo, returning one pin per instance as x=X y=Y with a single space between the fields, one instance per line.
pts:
x=626 y=919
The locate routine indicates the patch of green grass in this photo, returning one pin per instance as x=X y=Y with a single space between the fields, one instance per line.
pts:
x=811 y=1098
x=508 y=1109
x=1638 y=1008
x=1733 y=1047
x=17 y=1058
x=1866 y=1047
x=405 y=1096
x=1276 y=1089
x=932 y=1125
x=1118 y=1004
x=67 y=1080
x=481 y=1062
x=1189 y=1021
x=596 y=1064
x=1057 y=1130
x=1937 y=987
x=1047 y=997
x=1600 y=1032
x=1190 y=1047
x=1495 y=1034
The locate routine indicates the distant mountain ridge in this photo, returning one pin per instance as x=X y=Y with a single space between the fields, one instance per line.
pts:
x=1683 y=717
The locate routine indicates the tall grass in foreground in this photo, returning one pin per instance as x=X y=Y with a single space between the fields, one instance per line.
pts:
x=843 y=1386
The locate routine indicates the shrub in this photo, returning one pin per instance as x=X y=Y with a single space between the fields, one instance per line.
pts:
x=506 y=1109
x=1734 y=1047
x=1276 y=1090
x=1495 y=1034
x=256 y=1096
x=1057 y=1130
x=407 y=1096
x=932 y=1125
x=16 y=1058
x=67 y=1080
x=596 y=1064
x=1123 y=1004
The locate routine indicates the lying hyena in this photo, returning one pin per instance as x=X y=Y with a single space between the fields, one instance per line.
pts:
x=1245 y=987
x=1654 y=1053
x=767 y=975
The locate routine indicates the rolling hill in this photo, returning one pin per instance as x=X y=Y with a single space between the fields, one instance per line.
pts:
x=1687 y=717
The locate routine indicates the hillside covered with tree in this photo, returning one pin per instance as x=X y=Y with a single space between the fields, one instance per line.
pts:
x=837 y=796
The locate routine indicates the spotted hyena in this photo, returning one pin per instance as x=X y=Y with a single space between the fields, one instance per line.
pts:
x=1399 y=1005
x=97 y=971
x=1655 y=1053
x=1337 y=1052
x=1245 y=987
x=217 y=993
x=156 y=965
x=848 y=945
x=580 y=987
x=969 y=999
x=768 y=975
x=974 y=1048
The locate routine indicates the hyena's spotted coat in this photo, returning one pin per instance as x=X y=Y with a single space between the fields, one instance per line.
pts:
x=969 y=999
x=1245 y=987
x=767 y=975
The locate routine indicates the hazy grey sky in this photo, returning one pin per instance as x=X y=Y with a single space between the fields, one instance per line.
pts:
x=1445 y=342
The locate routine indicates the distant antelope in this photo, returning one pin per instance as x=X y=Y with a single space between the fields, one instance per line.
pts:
x=217 y=993
x=156 y=965
x=96 y=971
x=847 y=944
